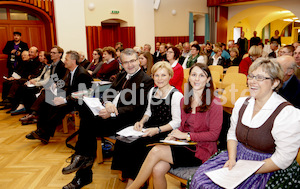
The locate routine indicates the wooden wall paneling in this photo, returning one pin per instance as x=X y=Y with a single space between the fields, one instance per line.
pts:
x=37 y=37
x=4 y=35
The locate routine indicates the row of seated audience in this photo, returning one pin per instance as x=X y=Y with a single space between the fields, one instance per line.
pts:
x=165 y=113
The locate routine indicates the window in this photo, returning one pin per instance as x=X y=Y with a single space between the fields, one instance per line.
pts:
x=3 y=14
x=20 y=15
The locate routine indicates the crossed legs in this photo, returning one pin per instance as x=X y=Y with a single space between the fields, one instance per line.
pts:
x=156 y=163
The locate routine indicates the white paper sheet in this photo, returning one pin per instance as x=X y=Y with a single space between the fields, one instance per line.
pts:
x=4 y=77
x=94 y=104
x=231 y=178
x=102 y=82
x=175 y=142
x=29 y=84
x=16 y=76
x=129 y=131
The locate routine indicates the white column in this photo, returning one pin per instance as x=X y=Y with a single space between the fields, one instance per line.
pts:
x=144 y=23
x=70 y=25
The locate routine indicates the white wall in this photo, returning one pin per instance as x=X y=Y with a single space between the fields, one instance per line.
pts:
x=70 y=25
x=144 y=23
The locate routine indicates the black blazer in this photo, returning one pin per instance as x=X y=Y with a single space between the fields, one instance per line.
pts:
x=291 y=92
x=60 y=70
x=80 y=76
x=143 y=84
x=10 y=46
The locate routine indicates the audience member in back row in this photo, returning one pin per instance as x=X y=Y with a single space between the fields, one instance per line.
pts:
x=173 y=54
x=254 y=53
x=161 y=116
x=146 y=62
x=128 y=108
x=264 y=127
x=216 y=59
x=82 y=60
x=96 y=63
x=201 y=122
x=57 y=73
x=234 y=59
x=297 y=59
x=290 y=89
x=194 y=57
x=55 y=107
x=161 y=54
x=110 y=66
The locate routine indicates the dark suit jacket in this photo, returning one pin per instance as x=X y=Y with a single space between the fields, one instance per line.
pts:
x=136 y=110
x=291 y=92
x=80 y=76
x=85 y=63
x=60 y=70
x=10 y=46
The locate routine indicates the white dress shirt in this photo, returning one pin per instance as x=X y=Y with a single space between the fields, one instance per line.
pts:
x=175 y=107
x=286 y=128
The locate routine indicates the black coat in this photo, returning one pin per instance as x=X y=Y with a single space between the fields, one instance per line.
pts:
x=10 y=46
x=291 y=92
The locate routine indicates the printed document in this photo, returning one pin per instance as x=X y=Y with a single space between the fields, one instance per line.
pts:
x=232 y=178
x=94 y=104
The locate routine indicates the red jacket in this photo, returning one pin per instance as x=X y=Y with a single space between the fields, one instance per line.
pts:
x=107 y=70
x=177 y=78
x=244 y=65
x=206 y=129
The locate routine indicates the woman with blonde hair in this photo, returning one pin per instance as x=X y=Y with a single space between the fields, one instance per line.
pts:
x=216 y=59
x=254 y=53
x=161 y=116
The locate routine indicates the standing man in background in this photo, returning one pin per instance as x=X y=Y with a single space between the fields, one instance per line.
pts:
x=14 y=50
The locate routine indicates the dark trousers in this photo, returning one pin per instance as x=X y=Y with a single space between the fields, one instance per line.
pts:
x=50 y=117
x=28 y=97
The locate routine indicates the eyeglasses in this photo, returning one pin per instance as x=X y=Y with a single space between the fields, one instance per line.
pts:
x=53 y=52
x=258 y=77
x=95 y=54
x=170 y=52
x=130 y=61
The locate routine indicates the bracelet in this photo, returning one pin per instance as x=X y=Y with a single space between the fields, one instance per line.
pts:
x=159 y=130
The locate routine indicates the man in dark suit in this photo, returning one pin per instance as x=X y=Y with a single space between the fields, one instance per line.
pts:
x=57 y=72
x=126 y=99
x=53 y=110
x=82 y=60
x=291 y=86
x=14 y=50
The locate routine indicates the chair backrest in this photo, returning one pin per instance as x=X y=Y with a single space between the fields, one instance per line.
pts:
x=217 y=68
x=232 y=69
x=236 y=78
x=231 y=93
x=186 y=73
x=215 y=77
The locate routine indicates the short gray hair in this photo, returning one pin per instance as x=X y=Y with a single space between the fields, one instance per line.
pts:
x=128 y=52
x=271 y=67
x=74 y=56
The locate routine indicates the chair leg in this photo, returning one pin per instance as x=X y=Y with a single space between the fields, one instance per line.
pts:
x=99 y=158
x=65 y=124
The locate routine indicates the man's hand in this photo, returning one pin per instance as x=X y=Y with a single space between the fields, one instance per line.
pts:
x=32 y=81
x=104 y=114
x=138 y=126
x=111 y=108
x=11 y=78
x=59 y=100
x=13 y=51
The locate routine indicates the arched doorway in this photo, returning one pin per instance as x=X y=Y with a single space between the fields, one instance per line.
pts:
x=36 y=28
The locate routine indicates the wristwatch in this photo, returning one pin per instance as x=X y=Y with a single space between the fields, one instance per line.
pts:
x=159 y=130
x=188 y=138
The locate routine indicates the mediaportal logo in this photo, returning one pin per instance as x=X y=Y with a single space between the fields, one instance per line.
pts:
x=54 y=89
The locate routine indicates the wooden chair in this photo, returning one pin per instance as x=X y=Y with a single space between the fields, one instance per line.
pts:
x=73 y=115
x=181 y=174
x=215 y=77
x=99 y=158
x=186 y=73
x=230 y=94
x=217 y=68
x=233 y=78
x=232 y=69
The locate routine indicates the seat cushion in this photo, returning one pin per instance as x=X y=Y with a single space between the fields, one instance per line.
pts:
x=184 y=172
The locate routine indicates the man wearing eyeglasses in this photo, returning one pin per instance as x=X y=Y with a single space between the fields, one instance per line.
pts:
x=125 y=102
x=290 y=89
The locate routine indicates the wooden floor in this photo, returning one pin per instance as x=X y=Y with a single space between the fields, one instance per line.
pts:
x=28 y=164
